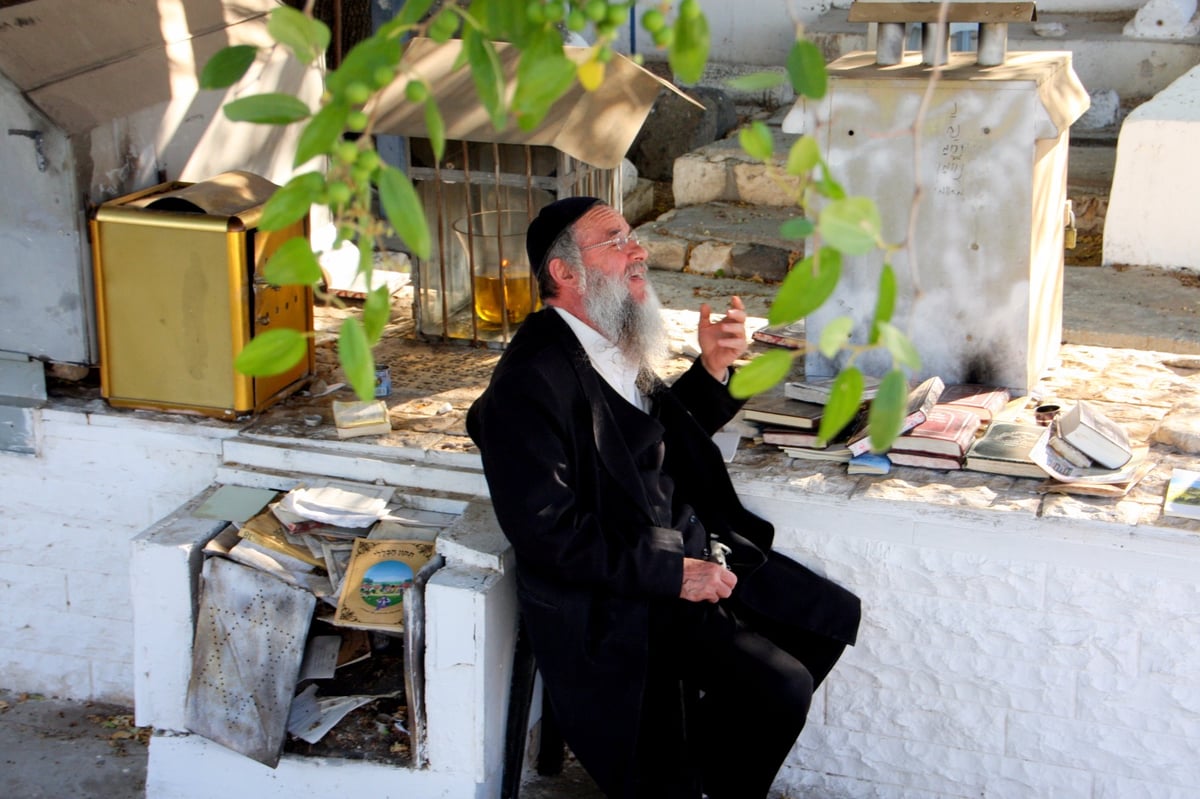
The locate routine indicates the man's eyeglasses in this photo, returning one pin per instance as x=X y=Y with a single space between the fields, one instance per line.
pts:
x=620 y=242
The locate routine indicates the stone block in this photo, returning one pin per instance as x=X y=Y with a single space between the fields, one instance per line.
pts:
x=668 y=253
x=711 y=258
x=676 y=126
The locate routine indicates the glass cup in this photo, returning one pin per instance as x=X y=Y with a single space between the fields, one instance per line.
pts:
x=494 y=242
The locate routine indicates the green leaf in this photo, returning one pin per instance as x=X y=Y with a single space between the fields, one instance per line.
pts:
x=272 y=352
x=885 y=301
x=835 y=334
x=227 y=66
x=377 y=312
x=852 y=225
x=411 y=11
x=435 y=127
x=291 y=202
x=272 y=108
x=293 y=264
x=487 y=75
x=806 y=68
x=756 y=141
x=806 y=287
x=755 y=81
x=306 y=37
x=887 y=410
x=689 y=48
x=322 y=132
x=798 y=227
x=845 y=397
x=360 y=64
x=354 y=354
x=803 y=156
x=761 y=373
x=828 y=187
x=543 y=75
x=403 y=210
x=899 y=346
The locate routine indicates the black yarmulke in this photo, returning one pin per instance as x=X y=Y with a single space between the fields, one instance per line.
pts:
x=550 y=222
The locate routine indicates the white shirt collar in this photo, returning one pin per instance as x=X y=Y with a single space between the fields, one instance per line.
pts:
x=607 y=359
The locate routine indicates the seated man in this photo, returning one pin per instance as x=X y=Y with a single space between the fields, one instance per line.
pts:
x=679 y=652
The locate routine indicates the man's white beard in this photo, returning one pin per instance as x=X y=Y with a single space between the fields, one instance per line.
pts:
x=636 y=328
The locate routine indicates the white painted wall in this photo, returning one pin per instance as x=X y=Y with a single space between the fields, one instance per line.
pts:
x=69 y=514
x=1002 y=655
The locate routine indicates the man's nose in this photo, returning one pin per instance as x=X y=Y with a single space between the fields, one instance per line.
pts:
x=635 y=252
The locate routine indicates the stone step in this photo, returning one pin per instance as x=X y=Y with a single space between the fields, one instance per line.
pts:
x=722 y=239
x=722 y=171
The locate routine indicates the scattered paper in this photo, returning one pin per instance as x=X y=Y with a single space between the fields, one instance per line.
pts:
x=310 y=718
x=343 y=505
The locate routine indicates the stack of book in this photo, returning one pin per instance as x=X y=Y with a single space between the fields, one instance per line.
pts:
x=921 y=401
x=939 y=442
x=1006 y=448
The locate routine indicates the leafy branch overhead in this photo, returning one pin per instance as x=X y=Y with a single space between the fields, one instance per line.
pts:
x=346 y=171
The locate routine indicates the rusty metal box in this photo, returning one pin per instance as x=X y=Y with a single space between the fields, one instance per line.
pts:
x=179 y=293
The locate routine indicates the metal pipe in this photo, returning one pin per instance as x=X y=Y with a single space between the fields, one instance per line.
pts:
x=889 y=43
x=993 y=43
x=935 y=43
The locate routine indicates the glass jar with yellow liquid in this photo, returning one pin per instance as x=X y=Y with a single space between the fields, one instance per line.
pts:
x=494 y=242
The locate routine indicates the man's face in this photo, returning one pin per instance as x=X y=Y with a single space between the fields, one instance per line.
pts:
x=601 y=232
x=617 y=299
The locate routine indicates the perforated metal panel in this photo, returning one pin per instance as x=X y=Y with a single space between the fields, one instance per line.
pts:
x=246 y=656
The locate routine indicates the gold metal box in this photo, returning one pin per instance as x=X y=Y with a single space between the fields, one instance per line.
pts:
x=179 y=293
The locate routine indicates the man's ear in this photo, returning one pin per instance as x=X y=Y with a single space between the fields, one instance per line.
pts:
x=562 y=272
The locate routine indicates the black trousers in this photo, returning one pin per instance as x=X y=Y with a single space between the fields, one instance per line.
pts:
x=724 y=703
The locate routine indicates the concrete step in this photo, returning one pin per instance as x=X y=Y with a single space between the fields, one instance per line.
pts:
x=722 y=239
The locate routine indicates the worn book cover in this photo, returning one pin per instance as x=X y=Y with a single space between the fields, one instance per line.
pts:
x=921 y=401
x=774 y=408
x=949 y=430
x=784 y=437
x=266 y=530
x=869 y=464
x=834 y=453
x=925 y=460
x=372 y=595
x=984 y=401
x=790 y=335
x=1006 y=448
x=1182 y=497
x=1094 y=434
x=817 y=389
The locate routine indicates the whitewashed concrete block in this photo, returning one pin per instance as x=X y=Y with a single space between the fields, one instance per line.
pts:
x=470 y=627
x=1164 y=19
x=192 y=767
x=1023 y=779
x=1153 y=204
x=1103 y=749
x=165 y=565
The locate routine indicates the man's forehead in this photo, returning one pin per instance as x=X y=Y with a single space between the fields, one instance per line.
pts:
x=602 y=219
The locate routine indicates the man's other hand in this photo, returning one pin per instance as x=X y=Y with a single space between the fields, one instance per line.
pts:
x=722 y=342
x=706 y=582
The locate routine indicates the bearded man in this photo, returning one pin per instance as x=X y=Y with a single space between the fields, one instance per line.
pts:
x=678 y=651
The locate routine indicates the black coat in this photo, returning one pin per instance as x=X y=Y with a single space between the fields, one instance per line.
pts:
x=568 y=496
